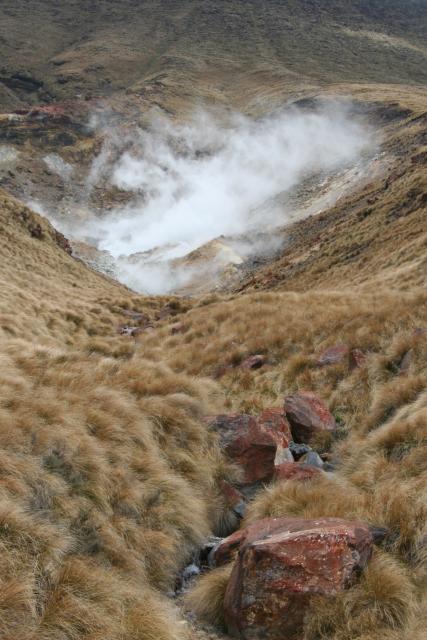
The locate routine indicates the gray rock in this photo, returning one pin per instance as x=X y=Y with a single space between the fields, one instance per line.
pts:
x=313 y=460
x=298 y=450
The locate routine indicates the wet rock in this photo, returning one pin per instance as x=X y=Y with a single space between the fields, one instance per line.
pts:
x=253 y=443
x=308 y=416
x=333 y=355
x=281 y=564
x=253 y=362
x=296 y=471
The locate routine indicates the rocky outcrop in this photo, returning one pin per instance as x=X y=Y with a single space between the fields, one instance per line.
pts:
x=256 y=444
x=308 y=416
x=281 y=564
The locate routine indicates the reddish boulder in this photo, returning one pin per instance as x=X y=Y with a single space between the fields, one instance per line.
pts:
x=282 y=563
x=333 y=355
x=227 y=548
x=308 y=416
x=253 y=362
x=296 y=471
x=254 y=443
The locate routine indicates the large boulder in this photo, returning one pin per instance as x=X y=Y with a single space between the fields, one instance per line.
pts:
x=281 y=564
x=308 y=416
x=254 y=443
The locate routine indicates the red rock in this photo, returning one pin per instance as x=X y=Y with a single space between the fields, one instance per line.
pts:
x=233 y=498
x=253 y=362
x=282 y=563
x=333 y=355
x=308 y=416
x=254 y=443
x=357 y=359
x=295 y=471
x=225 y=551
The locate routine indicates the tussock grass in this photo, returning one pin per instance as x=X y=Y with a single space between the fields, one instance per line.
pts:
x=108 y=477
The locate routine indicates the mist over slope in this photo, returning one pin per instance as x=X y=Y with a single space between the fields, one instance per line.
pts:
x=212 y=176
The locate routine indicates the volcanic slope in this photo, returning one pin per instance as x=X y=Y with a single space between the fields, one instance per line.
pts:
x=109 y=478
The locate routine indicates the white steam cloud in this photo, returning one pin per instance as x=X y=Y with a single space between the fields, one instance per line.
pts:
x=211 y=177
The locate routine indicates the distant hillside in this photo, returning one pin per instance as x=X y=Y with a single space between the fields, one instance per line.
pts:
x=157 y=48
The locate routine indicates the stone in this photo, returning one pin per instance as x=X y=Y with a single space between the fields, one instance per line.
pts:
x=253 y=443
x=308 y=416
x=357 y=359
x=281 y=564
x=312 y=459
x=233 y=498
x=333 y=355
x=299 y=450
x=253 y=362
x=225 y=550
x=295 y=471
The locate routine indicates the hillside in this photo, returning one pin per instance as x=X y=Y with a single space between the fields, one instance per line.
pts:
x=112 y=478
x=233 y=52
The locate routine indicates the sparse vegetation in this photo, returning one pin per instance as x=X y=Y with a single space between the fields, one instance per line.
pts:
x=109 y=477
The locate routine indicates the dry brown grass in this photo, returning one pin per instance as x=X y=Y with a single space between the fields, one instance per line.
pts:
x=108 y=478
x=381 y=444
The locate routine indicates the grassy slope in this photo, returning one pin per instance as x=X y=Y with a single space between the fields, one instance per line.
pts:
x=108 y=480
x=347 y=277
x=108 y=477
x=104 y=456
